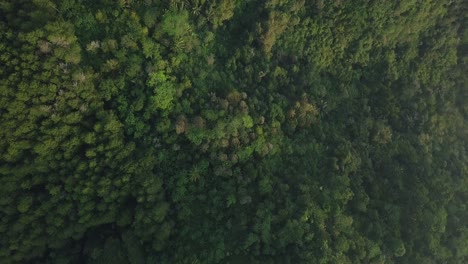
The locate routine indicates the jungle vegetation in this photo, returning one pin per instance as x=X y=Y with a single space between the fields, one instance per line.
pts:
x=233 y=131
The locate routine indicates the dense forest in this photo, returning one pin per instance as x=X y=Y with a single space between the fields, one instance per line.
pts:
x=233 y=131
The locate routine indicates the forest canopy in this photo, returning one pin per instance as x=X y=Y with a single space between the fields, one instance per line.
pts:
x=233 y=131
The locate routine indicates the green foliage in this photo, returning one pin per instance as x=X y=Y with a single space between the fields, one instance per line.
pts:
x=398 y=248
x=24 y=204
x=232 y=131
x=175 y=24
x=164 y=90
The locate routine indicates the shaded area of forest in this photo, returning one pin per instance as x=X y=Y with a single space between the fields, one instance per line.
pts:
x=233 y=131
